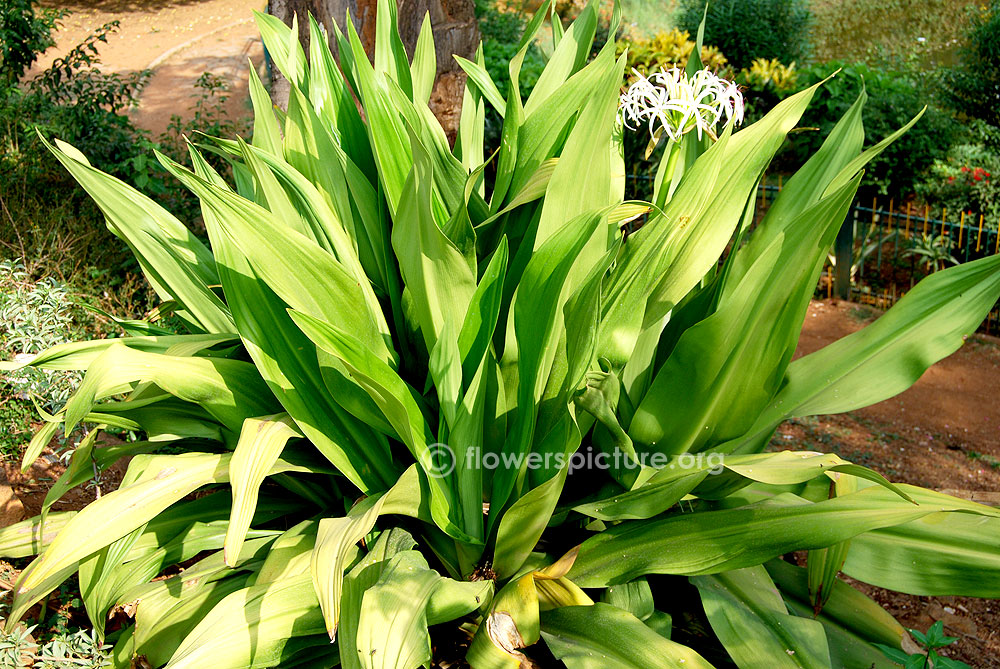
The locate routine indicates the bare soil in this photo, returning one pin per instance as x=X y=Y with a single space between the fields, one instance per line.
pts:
x=178 y=40
x=942 y=433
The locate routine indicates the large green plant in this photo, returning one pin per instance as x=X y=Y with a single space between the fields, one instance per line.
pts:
x=392 y=368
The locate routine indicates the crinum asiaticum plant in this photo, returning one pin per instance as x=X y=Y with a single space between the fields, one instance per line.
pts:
x=396 y=349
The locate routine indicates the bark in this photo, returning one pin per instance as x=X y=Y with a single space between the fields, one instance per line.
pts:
x=453 y=23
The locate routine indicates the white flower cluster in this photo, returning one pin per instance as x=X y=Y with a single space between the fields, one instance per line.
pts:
x=678 y=104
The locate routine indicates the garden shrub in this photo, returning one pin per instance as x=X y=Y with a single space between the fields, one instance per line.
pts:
x=666 y=50
x=35 y=315
x=441 y=415
x=894 y=97
x=767 y=82
x=45 y=213
x=746 y=30
x=968 y=178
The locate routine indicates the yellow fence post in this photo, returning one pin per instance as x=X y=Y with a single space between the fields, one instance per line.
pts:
x=927 y=213
x=979 y=238
x=908 y=204
x=961 y=224
x=944 y=219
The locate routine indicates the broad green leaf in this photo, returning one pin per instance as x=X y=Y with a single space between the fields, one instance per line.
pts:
x=568 y=57
x=81 y=354
x=175 y=262
x=334 y=104
x=635 y=597
x=716 y=541
x=260 y=444
x=288 y=361
x=229 y=390
x=109 y=574
x=357 y=581
x=39 y=441
x=523 y=523
x=673 y=251
x=537 y=317
x=390 y=54
x=423 y=69
x=86 y=457
x=290 y=554
x=395 y=612
x=152 y=483
x=805 y=188
x=282 y=44
x=397 y=401
x=938 y=555
x=581 y=181
x=271 y=247
x=336 y=539
x=751 y=620
x=335 y=548
x=439 y=281
x=30 y=537
x=726 y=368
x=266 y=134
x=847 y=607
x=480 y=78
x=252 y=627
x=602 y=636
x=680 y=476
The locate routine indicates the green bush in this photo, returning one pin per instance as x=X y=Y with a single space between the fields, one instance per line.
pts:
x=746 y=30
x=23 y=35
x=442 y=416
x=894 y=98
x=968 y=178
x=34 y=316
x=45 y=213
x=975 y=83
x=501 y=31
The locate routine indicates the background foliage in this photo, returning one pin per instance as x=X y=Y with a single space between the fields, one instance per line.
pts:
x=746 y=30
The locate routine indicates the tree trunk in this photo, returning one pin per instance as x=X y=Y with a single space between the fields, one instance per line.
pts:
x=453 y=23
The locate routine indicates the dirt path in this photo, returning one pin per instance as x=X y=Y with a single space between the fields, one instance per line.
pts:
x=178 y=40
x=956 y=400
x=942 y=433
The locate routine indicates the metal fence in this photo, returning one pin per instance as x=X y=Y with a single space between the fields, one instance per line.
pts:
x=880 y=239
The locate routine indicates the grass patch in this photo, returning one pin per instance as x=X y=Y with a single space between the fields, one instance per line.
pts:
x=986 y=459
x=879 y=29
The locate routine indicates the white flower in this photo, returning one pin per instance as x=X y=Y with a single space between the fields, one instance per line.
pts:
x=672 y=101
